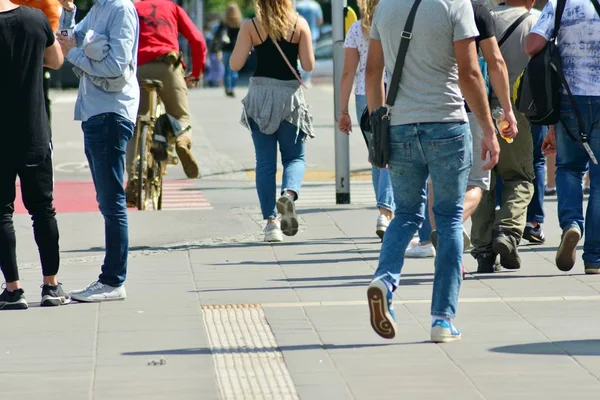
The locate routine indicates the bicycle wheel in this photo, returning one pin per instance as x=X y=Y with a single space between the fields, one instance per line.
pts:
x=142 y=168
x=156 y=186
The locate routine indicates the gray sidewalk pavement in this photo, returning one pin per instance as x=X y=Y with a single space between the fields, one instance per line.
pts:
x=234 y=318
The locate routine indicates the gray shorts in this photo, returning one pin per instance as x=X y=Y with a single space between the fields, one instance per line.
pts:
x=477 y=177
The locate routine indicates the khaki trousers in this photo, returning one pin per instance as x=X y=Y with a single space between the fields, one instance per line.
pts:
x=515 y=168
x=174 y=96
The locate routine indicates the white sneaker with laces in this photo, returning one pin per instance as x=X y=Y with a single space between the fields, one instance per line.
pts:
x=97 y=292
x=382 y=224
x=420 y=251
x=273 y=232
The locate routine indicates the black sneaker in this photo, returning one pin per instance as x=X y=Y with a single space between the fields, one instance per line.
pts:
x=53 y=296
x=550 y=192
x=486 y=263
x=14 y=300
x=534 y=235
x=506 y=246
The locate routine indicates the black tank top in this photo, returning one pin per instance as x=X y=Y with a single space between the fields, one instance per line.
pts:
x=270 y=64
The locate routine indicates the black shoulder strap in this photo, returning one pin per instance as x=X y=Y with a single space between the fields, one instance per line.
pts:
x=404 y=42
x=257 y=31
x=512 y=28
x=596 y=6
x=560 y=8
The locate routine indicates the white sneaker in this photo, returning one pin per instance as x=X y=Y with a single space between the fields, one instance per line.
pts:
x=273 y=232
x=382 y=224
x=289 y=220
x=97 y=292
x=413 y=243
x=420 y=251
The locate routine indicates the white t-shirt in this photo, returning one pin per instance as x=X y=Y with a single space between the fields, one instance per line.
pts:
x=356 y=39
x=578 y=43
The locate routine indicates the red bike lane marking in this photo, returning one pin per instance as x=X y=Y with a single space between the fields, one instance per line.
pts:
x=80 y=197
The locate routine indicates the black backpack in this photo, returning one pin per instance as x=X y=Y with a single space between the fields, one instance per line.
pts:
x=538 y=91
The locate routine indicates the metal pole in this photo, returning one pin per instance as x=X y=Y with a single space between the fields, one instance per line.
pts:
x=342 y=142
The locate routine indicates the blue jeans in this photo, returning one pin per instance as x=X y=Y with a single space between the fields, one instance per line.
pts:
x=535 y=211
x=291 y=146
x=443 y=151
x=105 y=140
x=572 y=162
x=231 y=77
x=382 y=184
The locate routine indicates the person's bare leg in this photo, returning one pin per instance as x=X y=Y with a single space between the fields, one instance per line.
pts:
x=51 y=280
x=431 y=215
x=387 y=213
x=551 y=171
x=12 y=286
x=472 y=199
x=587 y=180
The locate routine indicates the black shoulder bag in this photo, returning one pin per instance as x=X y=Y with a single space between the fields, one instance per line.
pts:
x=379 y=147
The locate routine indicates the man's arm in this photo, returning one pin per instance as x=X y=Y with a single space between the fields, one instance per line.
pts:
x=196 y=40
x=67 y=21
x=374 y=75
x=534 y=43
x=499 y=78
x=122 y=32
x=473 y=89
x=53 y=56
x=541 y=32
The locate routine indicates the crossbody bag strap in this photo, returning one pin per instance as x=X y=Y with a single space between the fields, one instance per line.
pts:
x=512 y=28
x=404 y=42
x=288 y=63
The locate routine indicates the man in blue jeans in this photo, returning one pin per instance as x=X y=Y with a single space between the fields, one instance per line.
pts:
x=429 y=136
x=578 y=43
x=108 y=120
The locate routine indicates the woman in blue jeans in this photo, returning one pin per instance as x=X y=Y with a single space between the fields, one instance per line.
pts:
x=356 y=48
x=226 y=37
x=275 y=108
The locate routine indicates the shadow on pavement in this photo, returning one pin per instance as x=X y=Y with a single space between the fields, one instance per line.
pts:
x=222 y=243
x=590 y=347
x=206 y=350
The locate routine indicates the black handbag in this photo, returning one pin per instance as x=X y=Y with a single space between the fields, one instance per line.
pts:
x=379 y=146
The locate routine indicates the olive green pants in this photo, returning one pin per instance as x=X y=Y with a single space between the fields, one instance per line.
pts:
x=174 y=96
x=515 y=169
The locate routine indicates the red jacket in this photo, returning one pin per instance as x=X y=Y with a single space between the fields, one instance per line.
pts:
x=161 y=21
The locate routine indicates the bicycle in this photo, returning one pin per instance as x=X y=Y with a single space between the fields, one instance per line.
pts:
x=149 y=171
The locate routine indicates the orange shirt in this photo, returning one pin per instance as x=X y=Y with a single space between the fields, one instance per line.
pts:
x=49 y=7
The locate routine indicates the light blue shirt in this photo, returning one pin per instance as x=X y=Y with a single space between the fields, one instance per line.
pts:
x=311 y=11
x=118 y=20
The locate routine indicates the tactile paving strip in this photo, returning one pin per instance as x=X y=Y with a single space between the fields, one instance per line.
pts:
x=248 y=362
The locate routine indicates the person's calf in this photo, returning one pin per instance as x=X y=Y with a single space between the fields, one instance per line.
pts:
x=473 y=197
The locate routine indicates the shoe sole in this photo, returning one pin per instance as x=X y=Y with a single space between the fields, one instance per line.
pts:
x=190 y=167
x=512 y=261
x=534 y=240
x=567 y=251
x=289 y=219
x=273 y=240
x=445 y=338
x=380 y=232
x=18 y=305
x=592 y=271
x=50 y=301
x=381 y=320
x=433 y=237
x=86 y=300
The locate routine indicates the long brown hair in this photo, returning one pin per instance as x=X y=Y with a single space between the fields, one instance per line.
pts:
x=233 y=15
x=367 y=10
x=275 y=16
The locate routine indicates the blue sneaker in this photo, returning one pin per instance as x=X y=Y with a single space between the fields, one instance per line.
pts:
x=444 y=332
x=383 y=318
